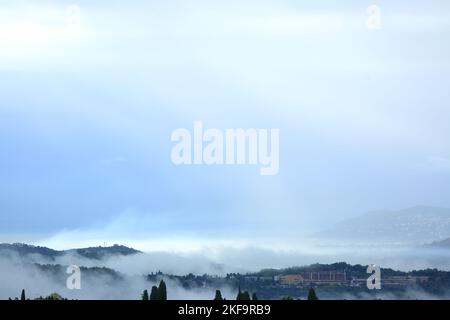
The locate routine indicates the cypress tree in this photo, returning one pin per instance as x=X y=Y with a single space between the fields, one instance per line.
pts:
x=162 y=291
x=239 y=295
x=245 y=295
x=242 y=295
x=312 y=294
x=22 y=295
x=145 y=295
x=218 y=295
x=154 y=294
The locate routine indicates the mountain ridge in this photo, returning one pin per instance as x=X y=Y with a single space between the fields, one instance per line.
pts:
x=441 y=244
x=88 y=252
x=418 y=224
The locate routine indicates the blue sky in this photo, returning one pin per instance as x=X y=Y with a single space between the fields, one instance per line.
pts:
x=87 y=108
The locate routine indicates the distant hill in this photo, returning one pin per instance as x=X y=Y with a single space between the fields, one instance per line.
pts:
x=443 y=244
x=100 y=252
x=357 y=270
x=25 y=249
x=90 y=253
x=420 y=224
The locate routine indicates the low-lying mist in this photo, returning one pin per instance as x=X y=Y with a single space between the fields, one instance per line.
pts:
x=41 y=276
x=127 y=278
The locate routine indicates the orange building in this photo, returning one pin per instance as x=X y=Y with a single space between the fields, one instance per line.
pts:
x=291 y=279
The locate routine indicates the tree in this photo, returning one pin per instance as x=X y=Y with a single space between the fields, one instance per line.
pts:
x=145 y=295
x=22 y=295
x=239 y=295
x=54 y=296
x=245 y=295
x=312 y=294
x=242 y=295
x=162 y=291
x=254 y=297
x=218 y=295
x=154 y=294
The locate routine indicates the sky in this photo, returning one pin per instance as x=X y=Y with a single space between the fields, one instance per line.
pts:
x=90 y=92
